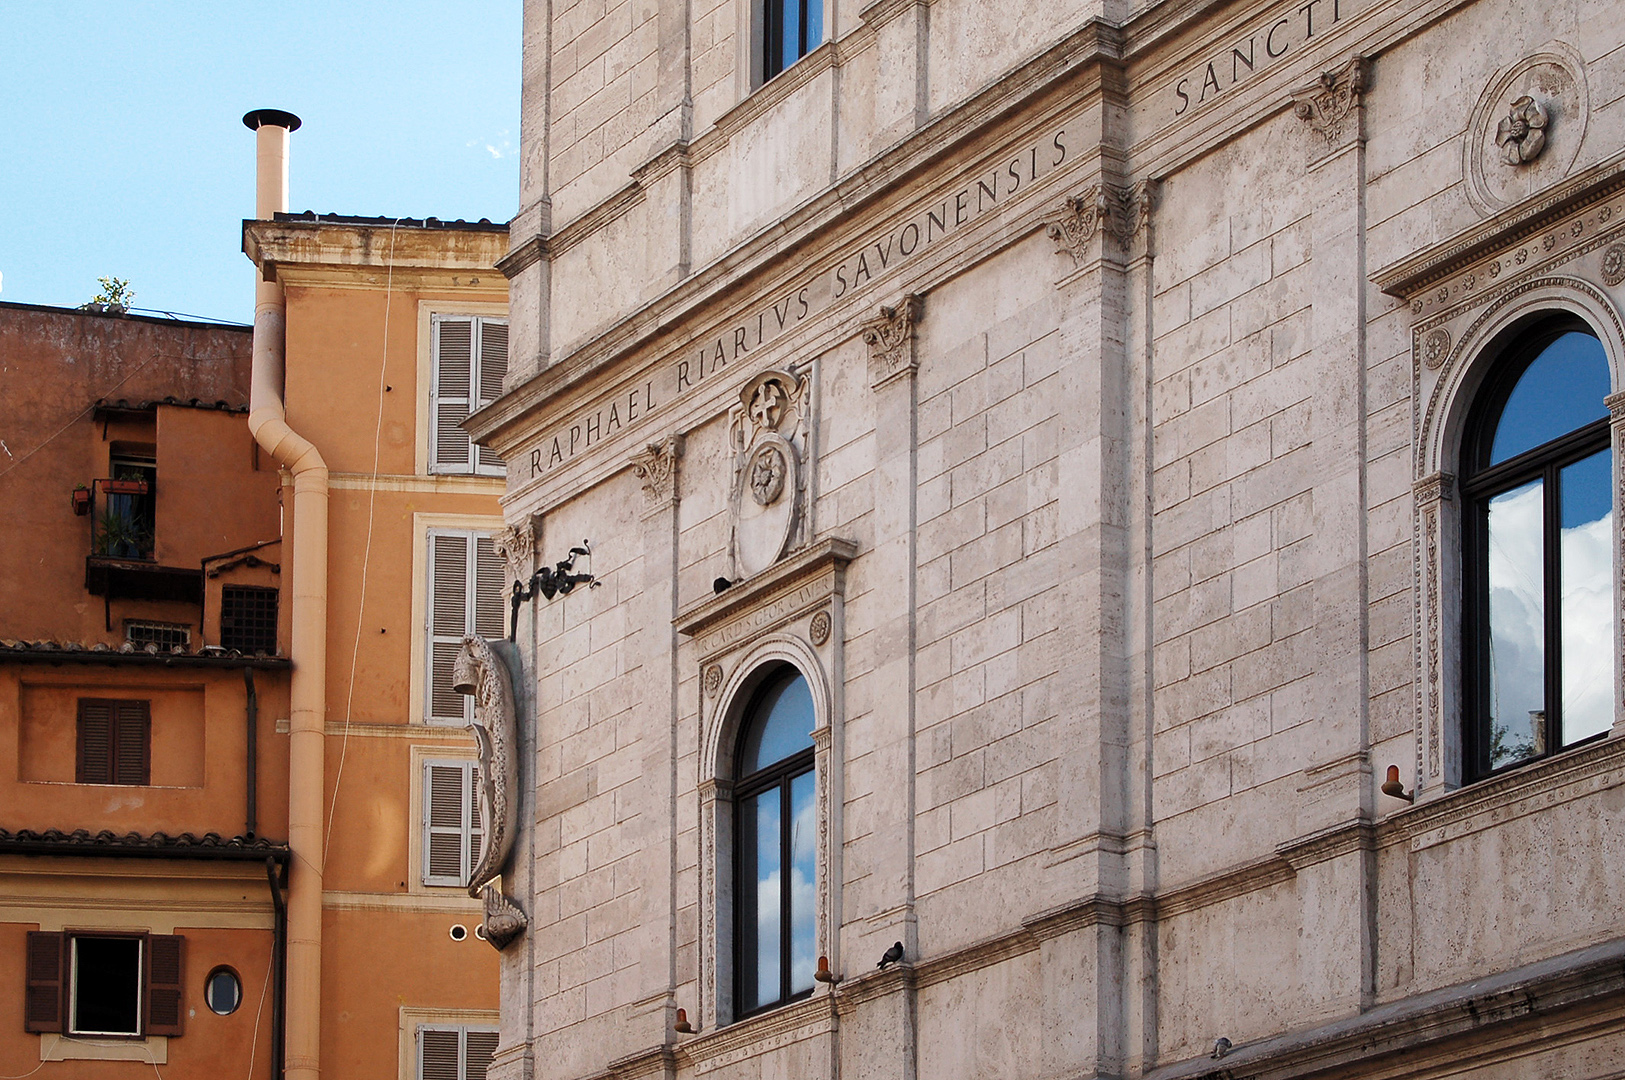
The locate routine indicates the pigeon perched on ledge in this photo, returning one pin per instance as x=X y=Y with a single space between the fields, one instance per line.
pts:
x=893 y=954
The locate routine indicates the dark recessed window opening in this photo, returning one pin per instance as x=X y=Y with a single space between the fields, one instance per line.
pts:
x=164 y=635
x=775 y=865
x=223 y=991
x=114 y=742
x=129 y=521
x=248 y=618
x=790 y=30
x=1537 y=525
x=106 y=975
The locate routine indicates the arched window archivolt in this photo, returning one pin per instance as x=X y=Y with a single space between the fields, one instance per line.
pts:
x=1490 y=419
x=765 y=758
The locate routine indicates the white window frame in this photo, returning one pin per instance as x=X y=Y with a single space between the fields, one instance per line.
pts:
x=477 y=464
x=74 y=980
x=462 y=1031
x=467 y=827
x=471 y=538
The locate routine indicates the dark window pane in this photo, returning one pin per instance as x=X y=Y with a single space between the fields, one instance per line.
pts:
x=1517 y=631
x=803 y=875
x=248 y=616
x=1587 y=597
x=106 y=986
x=1561 y=390
x=223 y=992
x=781 y=725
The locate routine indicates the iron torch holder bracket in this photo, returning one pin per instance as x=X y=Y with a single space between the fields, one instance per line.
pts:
x=557 y=580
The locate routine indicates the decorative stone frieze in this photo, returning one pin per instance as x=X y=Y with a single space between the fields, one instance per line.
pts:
x=656 y=466
x=890 y=338
x=1331 y=105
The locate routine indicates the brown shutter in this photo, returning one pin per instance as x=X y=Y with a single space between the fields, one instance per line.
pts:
x=453 y=387
x=476 y=827
x=482 y=1046
x=438 y=1060
x=493 y=370
x=132 y=741
x=93 y=759
x=166 y=954
x=44 y=982
x=489 y=594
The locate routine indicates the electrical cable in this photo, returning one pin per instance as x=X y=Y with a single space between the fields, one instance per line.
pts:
x=74 y=419
x=366 y=549
x=253 y=1047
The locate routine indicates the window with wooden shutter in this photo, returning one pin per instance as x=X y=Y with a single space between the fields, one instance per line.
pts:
x=466 y=596
x=114 y=742
x=446 y=1052
x=166 y=956
x=470 y=362
x=452 y=829
x=43 y=995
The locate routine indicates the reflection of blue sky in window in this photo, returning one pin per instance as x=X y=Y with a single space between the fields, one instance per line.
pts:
x=1587 y=597
x=803 y=872
x=1560 y=391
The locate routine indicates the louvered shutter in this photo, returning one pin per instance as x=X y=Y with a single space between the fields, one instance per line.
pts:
x=448 y=623
x=132 y=740
x=166 y=956
x=482 y=1046
x=489 y=594
x=476 y=822
x=42 y=1011
x=493 y=369
x=446 y=815
x=93 y=760
x=453 y=385
x=438 y=1054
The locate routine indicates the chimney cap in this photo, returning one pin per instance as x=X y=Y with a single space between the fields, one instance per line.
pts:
x=258 y=118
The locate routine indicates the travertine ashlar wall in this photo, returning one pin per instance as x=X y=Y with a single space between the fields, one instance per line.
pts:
x=1123 y=355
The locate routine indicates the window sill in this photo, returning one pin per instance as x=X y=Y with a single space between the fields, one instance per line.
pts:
x=772 y=1029
x=153 y=1049
x=1541 y=785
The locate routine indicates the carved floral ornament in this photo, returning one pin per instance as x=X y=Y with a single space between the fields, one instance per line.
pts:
x=656 y=466
x=516 y=546
x=1330 y=105
x=1120 y=212
x=890 y=338
x=1521 y=134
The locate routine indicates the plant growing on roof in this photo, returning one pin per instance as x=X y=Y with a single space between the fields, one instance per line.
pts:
x=115 y=295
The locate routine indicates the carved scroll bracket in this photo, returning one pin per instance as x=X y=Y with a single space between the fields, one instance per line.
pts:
x=890 y=338
x=1118 y=213
x=1331 y=106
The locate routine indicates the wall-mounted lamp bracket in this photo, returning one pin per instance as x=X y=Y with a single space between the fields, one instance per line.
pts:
x=556 y=580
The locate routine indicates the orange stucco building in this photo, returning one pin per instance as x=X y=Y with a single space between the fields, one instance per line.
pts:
x=362 y=780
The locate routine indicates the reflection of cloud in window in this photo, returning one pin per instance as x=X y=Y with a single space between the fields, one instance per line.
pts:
x=1517 y=622
x=1588 y=632
x=803 y=870
x=767 y=937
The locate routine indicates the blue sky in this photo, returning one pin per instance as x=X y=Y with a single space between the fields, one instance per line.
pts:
x=122 y=149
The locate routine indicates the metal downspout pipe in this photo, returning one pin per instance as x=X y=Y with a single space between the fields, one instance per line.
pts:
x=267 y=420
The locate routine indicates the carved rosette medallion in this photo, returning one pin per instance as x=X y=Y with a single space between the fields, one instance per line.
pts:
x=818 y=629
x=1521 y=134
x=1331 y=105
x=1613 y=265
x=890 y=338
x=1435 y=347
x=656 y=466
x=768 y=430
x=711 y=681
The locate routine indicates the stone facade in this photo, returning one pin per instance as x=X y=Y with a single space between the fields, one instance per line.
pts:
x=1072 y=394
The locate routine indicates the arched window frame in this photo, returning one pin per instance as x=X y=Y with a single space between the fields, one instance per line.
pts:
x=1444 y=402
x=1480 y=482
x=721 y=735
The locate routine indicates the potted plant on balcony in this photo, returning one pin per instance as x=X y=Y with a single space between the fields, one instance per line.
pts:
x=120 y=537
x=81 y=500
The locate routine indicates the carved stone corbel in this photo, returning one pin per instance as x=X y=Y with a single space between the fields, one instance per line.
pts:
x=479 y=672
x=656 y=466
x=516 y=545
x=890 y=338
x=1331 y=105
x=1122 y=213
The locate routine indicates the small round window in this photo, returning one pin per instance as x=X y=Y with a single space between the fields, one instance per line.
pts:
x=223 y=991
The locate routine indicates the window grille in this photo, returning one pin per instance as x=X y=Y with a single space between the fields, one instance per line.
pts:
x=248 y=618
x=164 y=635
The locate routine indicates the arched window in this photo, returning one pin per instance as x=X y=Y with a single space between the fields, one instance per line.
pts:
x=775 y=846
x=1537 y=578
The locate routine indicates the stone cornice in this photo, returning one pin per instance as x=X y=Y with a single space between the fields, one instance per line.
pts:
x=325 y=252
x=751 y=1036
x=759 y=594
x=1539 y=211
